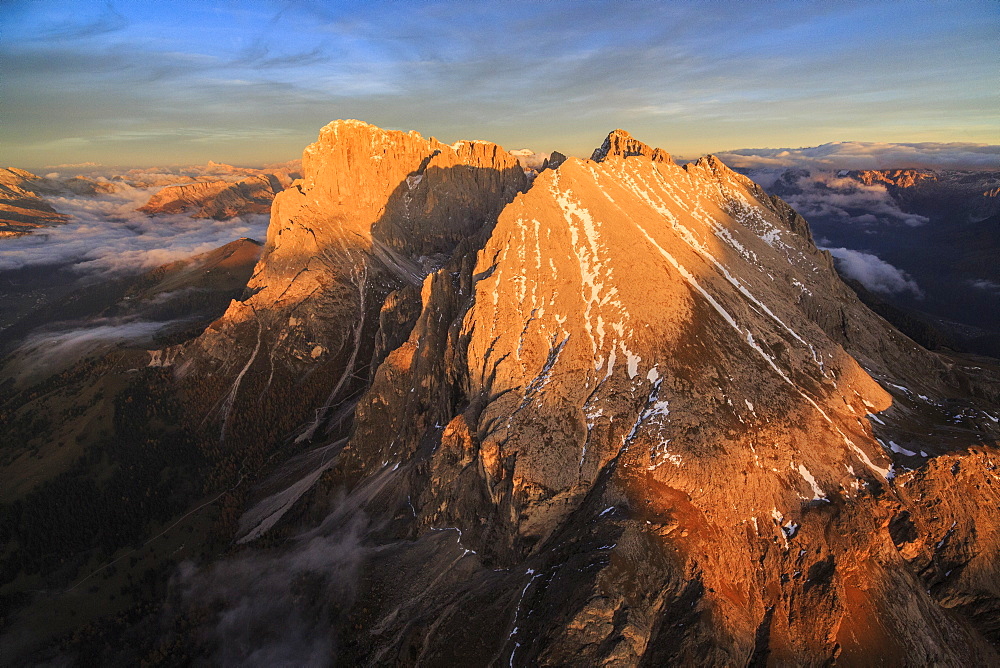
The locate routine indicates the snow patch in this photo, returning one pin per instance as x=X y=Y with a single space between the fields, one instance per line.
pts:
x=818 y=494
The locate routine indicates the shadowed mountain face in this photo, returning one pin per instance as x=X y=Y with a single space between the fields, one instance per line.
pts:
x=375 y=212
x=627 y=415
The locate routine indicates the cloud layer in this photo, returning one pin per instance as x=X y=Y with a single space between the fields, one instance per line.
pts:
x=277 y=608
x=55 y=348
x=106 y=235
x=874 y=273
x=868 y=155
x=827 y=195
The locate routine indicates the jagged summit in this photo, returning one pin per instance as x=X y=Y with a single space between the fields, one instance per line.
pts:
x=620 y=144
x=712 y=163
x=375 y=211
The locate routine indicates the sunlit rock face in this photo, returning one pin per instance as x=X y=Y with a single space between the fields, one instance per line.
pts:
x=650 y=402
x=901 y=178
x=376 y=211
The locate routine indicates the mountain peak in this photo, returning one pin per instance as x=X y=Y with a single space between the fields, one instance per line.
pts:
x=711 y=163
x=621 y=144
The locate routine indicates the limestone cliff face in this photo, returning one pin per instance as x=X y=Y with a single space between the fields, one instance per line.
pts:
x=665 y=432
x=375 y=211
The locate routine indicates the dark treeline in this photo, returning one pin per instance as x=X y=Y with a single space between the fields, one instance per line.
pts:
x=145 y=472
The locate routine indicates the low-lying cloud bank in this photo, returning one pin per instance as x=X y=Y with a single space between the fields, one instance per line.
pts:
x=874 y=273
x=868 y=155
x=106 y=235
x=60 y=345
x=826 y=194
x=277 y=608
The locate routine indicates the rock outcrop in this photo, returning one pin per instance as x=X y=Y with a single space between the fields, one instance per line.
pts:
x=555 y=159
x=621 y=144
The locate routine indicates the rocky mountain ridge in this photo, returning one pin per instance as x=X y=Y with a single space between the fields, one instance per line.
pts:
x=22 y=209
x=901 y=178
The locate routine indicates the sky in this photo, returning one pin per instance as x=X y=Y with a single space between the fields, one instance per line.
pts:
x=178 y=82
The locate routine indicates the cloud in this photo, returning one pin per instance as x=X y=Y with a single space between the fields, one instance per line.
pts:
x=106 y=235
x=278 y=611
x=75 y=166
x=868 y=155
x=274 y=608
x=817 y=195
x=985 y=284
x=530 y=159
x=63 y=344
x=875 y=274
x=109 y=21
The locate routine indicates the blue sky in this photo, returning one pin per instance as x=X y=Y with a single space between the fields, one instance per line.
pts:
x=142 y=83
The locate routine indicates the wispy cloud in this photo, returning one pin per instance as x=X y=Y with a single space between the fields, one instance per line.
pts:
x=554 y=75
x=109 y=21
x=985 y=284
x=62 y=344
x=260 y=613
